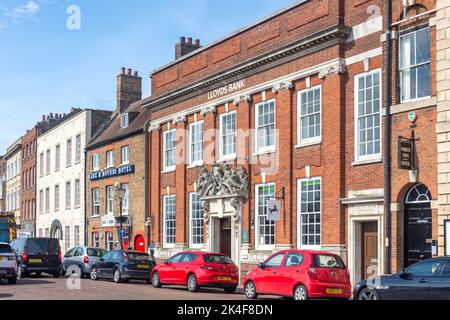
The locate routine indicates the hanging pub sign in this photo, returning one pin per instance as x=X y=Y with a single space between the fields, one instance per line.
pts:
x=405 y=154
x=112 y=172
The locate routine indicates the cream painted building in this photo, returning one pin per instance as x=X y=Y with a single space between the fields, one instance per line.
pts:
x=13 y=158
x=61 y=177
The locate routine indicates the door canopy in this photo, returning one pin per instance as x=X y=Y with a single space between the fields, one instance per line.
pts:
x=222 y=181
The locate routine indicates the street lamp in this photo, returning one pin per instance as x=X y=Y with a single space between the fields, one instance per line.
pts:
x=121 y=192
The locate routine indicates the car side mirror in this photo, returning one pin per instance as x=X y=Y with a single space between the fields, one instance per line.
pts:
x=166 y=262
x=102 y=260
x=262 y=266
x=405 y=275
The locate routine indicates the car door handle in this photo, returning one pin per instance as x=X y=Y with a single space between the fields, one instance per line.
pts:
x=424 y=281
x=274 y=272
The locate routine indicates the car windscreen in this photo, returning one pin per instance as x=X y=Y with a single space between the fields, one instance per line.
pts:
x=328 y=261
x=93 y=252
x=138 y=256
x=42 y=246
x=217 y=258
x=5 y=248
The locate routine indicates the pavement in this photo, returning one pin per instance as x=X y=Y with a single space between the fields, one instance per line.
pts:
x=48 y=288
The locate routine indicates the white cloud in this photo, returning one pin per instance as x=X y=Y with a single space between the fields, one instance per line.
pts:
x=21 y=12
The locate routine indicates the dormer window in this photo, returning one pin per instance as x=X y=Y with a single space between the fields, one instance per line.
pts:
x=124 y=121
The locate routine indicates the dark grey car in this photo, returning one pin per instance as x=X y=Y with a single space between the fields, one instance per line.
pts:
x=80 y=260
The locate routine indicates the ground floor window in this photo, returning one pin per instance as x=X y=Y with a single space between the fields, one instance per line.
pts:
x=95 y=240
x=77 y=236
x=197 y=222
x=109 y=241
x=67 y=238
x=310 y=212
x=265 y=228
x=169 y=220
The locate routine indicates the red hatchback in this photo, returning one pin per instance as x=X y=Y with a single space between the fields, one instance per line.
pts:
x=300 y=274
x=197 y=269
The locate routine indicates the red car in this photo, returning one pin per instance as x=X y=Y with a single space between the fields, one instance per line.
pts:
x=300 y=274
x=197 y=269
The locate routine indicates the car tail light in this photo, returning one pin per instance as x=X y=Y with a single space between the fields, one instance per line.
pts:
x=24 y=256
x=59 y=255
x=86 y=260
x=207 y=268
x=312 y=272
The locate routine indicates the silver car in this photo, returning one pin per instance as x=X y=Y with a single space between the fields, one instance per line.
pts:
x=79 y=260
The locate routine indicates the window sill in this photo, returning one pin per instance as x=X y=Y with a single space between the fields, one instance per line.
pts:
x=415 y=100
x=227 y=159
x=124 y=164
x=366 y=162
x=196 y=165
x=264 y=152
x=97 y=216
x=170 y=170
x=308 y=144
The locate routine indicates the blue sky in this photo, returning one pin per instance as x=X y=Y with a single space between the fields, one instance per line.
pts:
x=48 y=68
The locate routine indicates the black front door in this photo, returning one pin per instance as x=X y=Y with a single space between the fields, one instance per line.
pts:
x=225 y=236
x=418 y=232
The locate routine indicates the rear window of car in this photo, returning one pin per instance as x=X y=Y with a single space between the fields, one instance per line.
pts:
x=328 y=261
x=48 y=246
x=217 y=258
x=91 y=252
x=5 y=248
x=138 y=256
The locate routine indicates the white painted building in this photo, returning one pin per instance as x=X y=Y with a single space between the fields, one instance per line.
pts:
x=60 y=177
x=13 y=162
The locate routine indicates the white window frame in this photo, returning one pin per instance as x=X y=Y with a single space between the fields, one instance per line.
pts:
x=41 y=166
x=191 y=143
x=95 y=202
x=191 y=225
x=257 y=244
x=110 y=159
x=95 y=239
x=47 y=200
x=171 y=167
x=96 y=162
x=126 y=200
x=308 y=141
x=77 y=236
x=57 y=157
x=127 y=153
x=77 y=187
x=231 y=156
x=56 y=195
x=68 y=193
x=41 y=202
x=78 y=148
x=124 y=120
x=414 y=65
x=48 y=165
x=69 y=152
x=109 y=200
x=299 y=214
x=268 y=149
x=169 y=245
x=373 y=157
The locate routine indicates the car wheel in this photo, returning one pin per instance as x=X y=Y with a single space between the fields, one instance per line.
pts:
x=156 y=281
x=117 y=276
x=192 y=284
x=230 y=290
x=300 y=293
x=94 y=275
x=12 y=280
x=250 y=290
x=38 y=274
x=368 y=294
x=57 y=275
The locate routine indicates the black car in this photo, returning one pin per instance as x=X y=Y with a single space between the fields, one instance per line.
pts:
x=425 y=280
x=37 y=255
x=122 y=266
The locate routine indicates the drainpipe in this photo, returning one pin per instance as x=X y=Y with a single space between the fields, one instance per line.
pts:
x=387 y=144
x=147 y=187
x=85 y=202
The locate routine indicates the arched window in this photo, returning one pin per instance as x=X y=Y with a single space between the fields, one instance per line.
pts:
x=419 y=194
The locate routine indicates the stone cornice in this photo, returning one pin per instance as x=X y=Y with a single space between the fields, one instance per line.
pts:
x=154 y=127
x=243 y=98
x=208 y=109
x=283 y=86
x=338 y=68
x=307 y=45
x=179 y=119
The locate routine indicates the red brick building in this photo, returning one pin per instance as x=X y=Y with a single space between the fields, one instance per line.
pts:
x=297 y=103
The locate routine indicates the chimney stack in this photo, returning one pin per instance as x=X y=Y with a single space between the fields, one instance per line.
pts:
x=129 y=89
x=183 y=48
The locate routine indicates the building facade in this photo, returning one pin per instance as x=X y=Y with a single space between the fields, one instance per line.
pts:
x=13 y=163
x=116 y=159
x=296 y=112
x=60 y=176
x=2 y=184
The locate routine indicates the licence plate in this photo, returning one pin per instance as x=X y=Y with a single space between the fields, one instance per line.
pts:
x=35 y=260
x=142 y=266
x=224 y=278
x=334 y=291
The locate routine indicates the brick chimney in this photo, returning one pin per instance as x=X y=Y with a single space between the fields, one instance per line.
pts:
x=183 y=48
x=129 y=89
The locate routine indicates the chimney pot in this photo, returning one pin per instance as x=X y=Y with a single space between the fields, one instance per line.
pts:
x=122 y=70
x=197 y=43
x=136 y=74
x=129 y=72
x=183 y=39
x=51 y=115
x=190 y=40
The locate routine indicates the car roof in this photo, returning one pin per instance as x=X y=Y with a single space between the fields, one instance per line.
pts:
x=5 y=243
x=308 y=252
